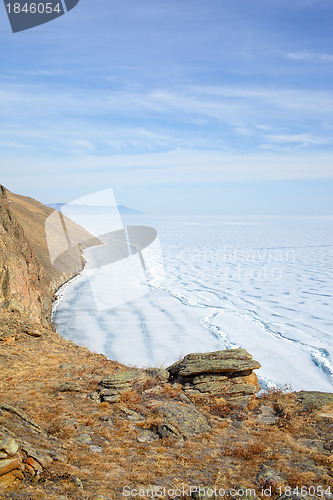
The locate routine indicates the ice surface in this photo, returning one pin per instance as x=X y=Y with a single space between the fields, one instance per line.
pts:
x=260 y=283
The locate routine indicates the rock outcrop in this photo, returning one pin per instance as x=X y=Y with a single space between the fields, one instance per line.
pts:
x=18 y=461
x=226 y=373
x=111 y=388
x=11 y=463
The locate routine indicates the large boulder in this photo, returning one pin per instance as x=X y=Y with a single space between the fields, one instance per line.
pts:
x=181 y=421
x=226 y=362
x=226 y=373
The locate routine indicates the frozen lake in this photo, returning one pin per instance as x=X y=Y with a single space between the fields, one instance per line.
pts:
x=260 y=283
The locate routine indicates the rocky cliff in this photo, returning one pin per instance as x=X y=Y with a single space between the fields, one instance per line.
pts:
x=23 y=287
x=27 y=277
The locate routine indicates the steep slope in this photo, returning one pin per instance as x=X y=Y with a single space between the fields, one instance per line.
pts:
x=23 y=288
x=27 y=277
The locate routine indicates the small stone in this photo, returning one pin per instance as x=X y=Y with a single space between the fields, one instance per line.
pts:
x=83 y=438
x=325 y=412
x=242 y=402
x=9 y=445
x=154 y=391
x=95 y=396
x=3 y=455
x=111 y=399
x=192 y=392
x=107 y=419
x=147 y=437
x=33 y=333
x=184 y=399
x=268 y=477
x=109 y=392
x=132 y=415
x=95 y=449
x=70 y=387
x=267 y=415
x=55 y=455
x=177 y=386
x=169 y=431
x=328 y=445
x=77 y=482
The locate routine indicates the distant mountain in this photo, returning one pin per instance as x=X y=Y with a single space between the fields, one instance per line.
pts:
x=89 y=209
x=128 y=211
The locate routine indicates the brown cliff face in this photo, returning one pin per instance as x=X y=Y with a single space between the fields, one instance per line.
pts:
x=23 y=287
x=76 y=425
x=27 y=277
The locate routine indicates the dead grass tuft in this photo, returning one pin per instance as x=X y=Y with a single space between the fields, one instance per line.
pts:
x=130 y=397
x=245 y=451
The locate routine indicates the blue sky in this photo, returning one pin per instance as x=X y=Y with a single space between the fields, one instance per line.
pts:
x=183 y=106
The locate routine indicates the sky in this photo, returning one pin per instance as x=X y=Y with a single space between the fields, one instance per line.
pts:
x=179 y=106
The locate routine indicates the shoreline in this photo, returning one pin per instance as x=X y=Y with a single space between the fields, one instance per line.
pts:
x=58 y=293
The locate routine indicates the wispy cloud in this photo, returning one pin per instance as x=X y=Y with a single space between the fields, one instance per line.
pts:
x=310 y=56
x=304 y=139
x=14 y=145
x=125 y=121
x=177 y=166
x=169 y=92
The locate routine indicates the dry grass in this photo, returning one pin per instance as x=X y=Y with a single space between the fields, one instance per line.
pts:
x=231 y=454
x=246 y=451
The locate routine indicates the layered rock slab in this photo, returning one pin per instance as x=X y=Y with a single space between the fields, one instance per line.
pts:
x=111 y=388
x=227 y=362
x=18 y=461
x=227 y=373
